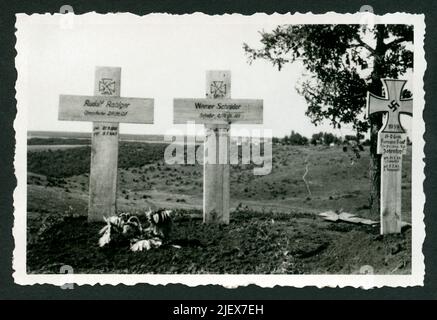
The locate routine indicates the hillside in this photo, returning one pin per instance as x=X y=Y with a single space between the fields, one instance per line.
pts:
x=276 y=209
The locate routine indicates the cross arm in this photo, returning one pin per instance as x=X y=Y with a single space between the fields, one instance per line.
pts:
x=376 y=104
x=218 y=111
x=406 y=106
x=105 y=109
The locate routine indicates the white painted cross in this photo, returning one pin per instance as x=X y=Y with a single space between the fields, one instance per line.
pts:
x=217 y=112
x=106 y=109
x=392 y=144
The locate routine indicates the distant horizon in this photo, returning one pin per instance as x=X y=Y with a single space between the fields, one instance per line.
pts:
x=161 y=57
x=154 y=134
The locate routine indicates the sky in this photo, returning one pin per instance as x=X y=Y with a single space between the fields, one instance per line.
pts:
x=161 y=57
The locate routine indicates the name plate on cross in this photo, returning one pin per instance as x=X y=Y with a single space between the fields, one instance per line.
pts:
x=392 y=144
x=106 y=109
x=217 y=111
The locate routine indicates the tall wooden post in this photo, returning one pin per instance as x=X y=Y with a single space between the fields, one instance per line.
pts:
x=392 y=144
x=104 y=151
x=217 y=112
x=217 y=140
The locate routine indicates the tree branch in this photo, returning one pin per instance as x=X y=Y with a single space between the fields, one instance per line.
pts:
x=361 y=43
x=396 y=41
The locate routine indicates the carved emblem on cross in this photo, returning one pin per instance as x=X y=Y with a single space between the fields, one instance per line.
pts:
x=392 y=105
x=217 y=89
x=106 y=86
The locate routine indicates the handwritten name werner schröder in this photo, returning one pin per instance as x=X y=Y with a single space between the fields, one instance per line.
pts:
x=218 y=106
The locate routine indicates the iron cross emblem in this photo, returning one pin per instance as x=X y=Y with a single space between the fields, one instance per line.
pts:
x=392 y=105
x=107 y=86
x=217 y=89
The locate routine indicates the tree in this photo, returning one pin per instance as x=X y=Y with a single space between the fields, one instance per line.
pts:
x=317 y=138
x=296 y=138
x=325 y=138
x=329 y=138
x=343 y=63
x=286 y=140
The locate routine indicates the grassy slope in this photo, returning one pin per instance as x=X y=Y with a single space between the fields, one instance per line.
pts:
x=295 y=242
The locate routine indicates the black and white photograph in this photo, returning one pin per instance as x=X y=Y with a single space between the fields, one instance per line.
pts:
x=233 y=150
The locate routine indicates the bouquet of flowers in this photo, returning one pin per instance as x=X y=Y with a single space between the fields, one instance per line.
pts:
x=127 y=227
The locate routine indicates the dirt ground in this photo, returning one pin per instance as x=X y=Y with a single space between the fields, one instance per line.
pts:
x=285 y=243
x=274 y=223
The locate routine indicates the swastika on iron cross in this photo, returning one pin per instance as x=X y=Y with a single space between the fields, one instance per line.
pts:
x=217 y=89
x=392 y=105
x=106 y=86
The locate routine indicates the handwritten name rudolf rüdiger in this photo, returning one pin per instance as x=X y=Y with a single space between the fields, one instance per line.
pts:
x=119 y=107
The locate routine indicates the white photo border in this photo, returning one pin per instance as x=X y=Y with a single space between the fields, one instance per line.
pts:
x=416 y=278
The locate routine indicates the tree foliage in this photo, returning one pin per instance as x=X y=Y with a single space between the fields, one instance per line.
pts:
x=343 y=63
x=325 y=138
x=341 y=60
x=295 y=138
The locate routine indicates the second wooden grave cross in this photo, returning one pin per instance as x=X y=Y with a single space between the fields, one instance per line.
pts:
x=217 y=112
x=106 y=109
x=392 y=144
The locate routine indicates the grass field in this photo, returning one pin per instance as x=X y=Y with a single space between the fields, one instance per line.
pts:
x=276 y=209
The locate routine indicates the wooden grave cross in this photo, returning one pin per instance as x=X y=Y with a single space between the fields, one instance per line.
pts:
x=392 y=144
x=106 y=109
x=218 y=111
